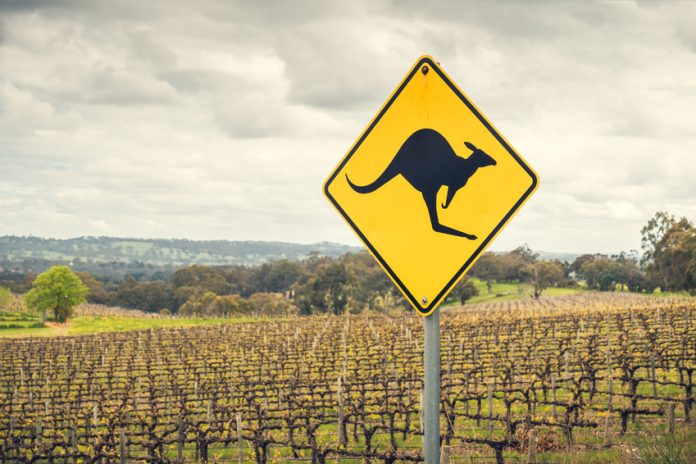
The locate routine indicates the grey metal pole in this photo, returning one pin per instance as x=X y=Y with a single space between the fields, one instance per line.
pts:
x=431 y=395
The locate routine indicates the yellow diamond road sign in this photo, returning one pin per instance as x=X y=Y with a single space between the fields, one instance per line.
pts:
x=428 y=185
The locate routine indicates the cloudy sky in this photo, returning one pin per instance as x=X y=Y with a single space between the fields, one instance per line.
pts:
x=221 y=119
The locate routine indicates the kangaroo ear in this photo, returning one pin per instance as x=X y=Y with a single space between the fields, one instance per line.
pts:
x=470 y=146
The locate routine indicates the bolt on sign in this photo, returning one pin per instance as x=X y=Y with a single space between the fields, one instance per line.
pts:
x=428 y=185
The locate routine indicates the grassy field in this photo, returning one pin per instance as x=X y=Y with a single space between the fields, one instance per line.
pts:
x=18 y=320
x=506 y=291
x=30 y=326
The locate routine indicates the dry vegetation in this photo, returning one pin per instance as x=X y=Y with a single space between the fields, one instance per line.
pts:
x=586 y=372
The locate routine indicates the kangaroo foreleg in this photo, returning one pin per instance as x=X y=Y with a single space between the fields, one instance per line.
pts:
x=431 y=202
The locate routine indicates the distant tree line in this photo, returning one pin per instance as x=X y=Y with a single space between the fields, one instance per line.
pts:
x=161 y=252
x=354 y=282
x=319 y=284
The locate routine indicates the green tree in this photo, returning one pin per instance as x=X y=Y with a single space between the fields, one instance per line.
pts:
x=97 y=292
x=673 y=264
x=272 y=304
x=204 y=303
x=149 y=296
x=465 y=290
x=324 y=293
x=544 y=274
x=653 y=232
x=489 y=267
x=205 y=277
x=276 y=276
x=57 y=290
x=603 y=273
x=515 y=262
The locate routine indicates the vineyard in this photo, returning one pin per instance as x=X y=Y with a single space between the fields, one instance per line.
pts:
x=576 y=372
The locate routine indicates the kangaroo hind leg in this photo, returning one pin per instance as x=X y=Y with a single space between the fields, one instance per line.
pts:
x=431 y=202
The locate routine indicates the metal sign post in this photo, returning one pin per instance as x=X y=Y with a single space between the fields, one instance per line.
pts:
x=431 y=394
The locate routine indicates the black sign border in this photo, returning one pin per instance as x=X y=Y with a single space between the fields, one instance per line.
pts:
x=460 y=273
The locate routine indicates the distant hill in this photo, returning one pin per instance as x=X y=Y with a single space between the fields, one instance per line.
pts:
x=551 y=255
x=163 y=252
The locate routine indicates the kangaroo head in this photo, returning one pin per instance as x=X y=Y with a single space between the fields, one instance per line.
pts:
x=480 y=157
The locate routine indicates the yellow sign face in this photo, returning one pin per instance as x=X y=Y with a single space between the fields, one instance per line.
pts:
x=428 y=185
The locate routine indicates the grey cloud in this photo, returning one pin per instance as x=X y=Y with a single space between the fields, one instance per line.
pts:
x=119 y=86
x=23 y=5
x=221 y=120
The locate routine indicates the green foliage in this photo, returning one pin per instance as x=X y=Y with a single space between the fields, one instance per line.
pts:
x=5 y=297
x=653 y=232
x=97 y=292
x=18 y=320
x=504 y=267
x=57 y=290
x=325 y=292
x=206 y=303
x=276 y=276
x=204 y=277
x=603 y=273
x=673 y=265
x=148 y=296
x=465 y=290
x=489 y=268
x=271 y=304
x=544 y=274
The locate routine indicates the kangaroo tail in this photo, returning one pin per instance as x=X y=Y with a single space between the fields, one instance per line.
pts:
x=385 y=177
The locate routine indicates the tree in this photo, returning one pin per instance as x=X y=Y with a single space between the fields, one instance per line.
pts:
x=367 y=286
x=515 y=262
x=149 y=296
x=205 y=277
x=543 y=274
x=204 y=303
x=275 y=277
x=57 y=290
x=97 y=292
x=272 y=304
x=580 y=261
x=465 y=290
x=489 y=267
x=601 y=273
x=324 y=293
x=652 y=233
x=674 y=258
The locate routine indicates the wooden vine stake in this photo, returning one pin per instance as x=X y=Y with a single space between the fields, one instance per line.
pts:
x=532 y=457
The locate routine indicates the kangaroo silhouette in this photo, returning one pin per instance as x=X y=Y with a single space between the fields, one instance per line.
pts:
x=427 y=161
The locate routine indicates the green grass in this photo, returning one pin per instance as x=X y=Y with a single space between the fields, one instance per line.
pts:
x=18 y=321
x=98 y=324
x=138 y=247
x=507 y=291
x=101 y=324
x=661 y=294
